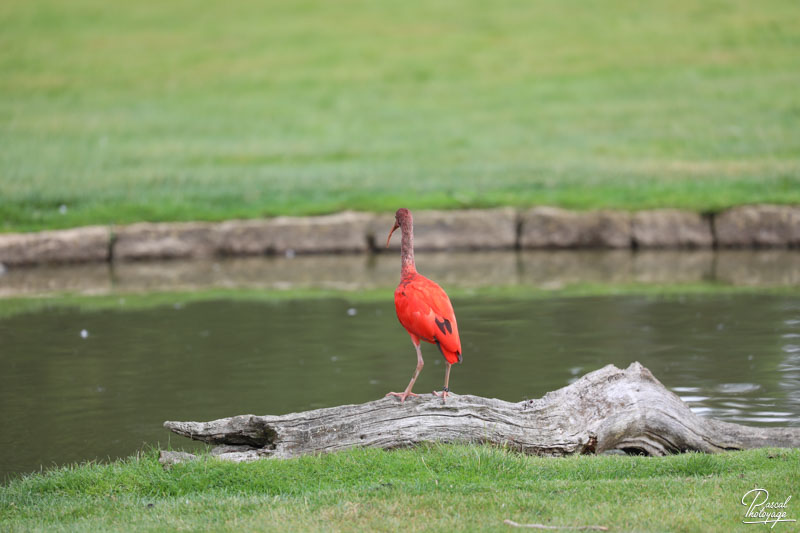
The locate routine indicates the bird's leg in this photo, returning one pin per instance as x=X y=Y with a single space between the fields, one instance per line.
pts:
x=446 y=389
x=406 y=393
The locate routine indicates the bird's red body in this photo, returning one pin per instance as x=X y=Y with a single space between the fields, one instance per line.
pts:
x=427 y=314
x=423 y=308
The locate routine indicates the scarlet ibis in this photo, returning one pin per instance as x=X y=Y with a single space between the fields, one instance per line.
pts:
x=423 y=308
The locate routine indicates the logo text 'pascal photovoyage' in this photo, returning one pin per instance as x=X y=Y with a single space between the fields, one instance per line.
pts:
x=762 y=511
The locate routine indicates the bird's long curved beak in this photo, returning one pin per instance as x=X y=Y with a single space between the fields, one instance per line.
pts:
x=396 y=225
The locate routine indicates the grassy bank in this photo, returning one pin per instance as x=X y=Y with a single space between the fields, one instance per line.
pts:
x=441 y=487
x=162 y=111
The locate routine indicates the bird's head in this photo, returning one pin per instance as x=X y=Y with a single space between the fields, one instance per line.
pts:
x=400 y=217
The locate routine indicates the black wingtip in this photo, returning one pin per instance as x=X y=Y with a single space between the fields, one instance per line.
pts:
x=443 y=325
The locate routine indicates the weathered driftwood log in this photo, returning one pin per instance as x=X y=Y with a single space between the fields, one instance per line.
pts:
x=628 y=410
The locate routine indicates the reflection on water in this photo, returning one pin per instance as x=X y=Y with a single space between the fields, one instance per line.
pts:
x=548 y=269
x=77 y=385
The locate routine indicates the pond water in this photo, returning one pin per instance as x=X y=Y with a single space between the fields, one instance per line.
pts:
x=540 y=268
x=79 y=384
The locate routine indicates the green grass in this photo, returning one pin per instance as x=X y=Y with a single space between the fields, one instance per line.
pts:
x=148 y=110
x=432 y=488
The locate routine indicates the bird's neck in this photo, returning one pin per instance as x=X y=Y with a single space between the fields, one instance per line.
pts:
x=407 y=250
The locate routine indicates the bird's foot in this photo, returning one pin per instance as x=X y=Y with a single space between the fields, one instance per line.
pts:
x=443 y=394
x=402 y=395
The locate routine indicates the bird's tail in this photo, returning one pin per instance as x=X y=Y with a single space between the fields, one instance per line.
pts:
x=450 y=356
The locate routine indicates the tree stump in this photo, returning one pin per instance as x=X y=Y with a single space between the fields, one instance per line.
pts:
x=608 y=409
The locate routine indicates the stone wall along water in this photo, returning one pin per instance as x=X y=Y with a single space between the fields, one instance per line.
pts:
x=754 y=226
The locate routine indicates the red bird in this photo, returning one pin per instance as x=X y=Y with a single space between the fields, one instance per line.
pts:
x=423 y=308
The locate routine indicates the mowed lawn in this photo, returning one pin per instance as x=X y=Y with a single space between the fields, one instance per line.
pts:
x=148 y=110
x=433 y=488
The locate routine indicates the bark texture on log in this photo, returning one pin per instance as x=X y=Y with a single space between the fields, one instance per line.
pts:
x=606 y=409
